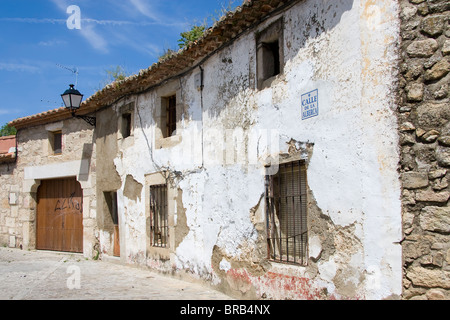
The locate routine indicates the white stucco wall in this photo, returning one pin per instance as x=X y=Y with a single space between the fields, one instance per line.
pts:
x=349 y=56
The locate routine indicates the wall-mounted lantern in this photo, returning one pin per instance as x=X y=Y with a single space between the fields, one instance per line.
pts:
x=72 y=100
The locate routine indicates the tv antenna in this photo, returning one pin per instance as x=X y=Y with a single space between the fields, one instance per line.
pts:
x=73 y=70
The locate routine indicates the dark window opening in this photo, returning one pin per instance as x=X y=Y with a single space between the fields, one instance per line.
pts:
x=287 y=235
x=269 y=51
x=171 y=115
x=56 y=142
x=111 y=202
x=271 y=58
x=126 y=125
x=159 y=226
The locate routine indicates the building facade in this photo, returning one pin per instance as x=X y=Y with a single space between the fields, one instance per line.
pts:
x=271 y=159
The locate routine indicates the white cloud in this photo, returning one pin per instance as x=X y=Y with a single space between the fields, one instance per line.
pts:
x=9 y=111
x=14 y=67
x=150 y=12
x=51 y=43
x=34 y=20
x=144 y=9
x=95 y=40
x=88 y=32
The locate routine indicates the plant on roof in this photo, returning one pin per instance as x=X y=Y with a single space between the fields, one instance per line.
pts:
x=197 y=30
x=7 y=131
x=116 y=74
x=113 y=74
x=194 y=34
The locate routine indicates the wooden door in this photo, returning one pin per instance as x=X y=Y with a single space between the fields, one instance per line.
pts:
x=116 y=249
x=59 y=218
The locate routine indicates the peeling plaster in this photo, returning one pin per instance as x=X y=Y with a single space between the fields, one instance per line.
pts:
x=353 y=190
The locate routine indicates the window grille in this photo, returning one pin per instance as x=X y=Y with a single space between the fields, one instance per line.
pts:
x=159 y=227
x=287 y=235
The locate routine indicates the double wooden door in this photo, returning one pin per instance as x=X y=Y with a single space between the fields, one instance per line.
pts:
x=59 y=221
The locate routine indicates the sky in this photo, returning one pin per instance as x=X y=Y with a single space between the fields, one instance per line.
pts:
x=45 y=45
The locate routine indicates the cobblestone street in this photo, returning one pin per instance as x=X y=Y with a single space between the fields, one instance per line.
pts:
x=38 y=275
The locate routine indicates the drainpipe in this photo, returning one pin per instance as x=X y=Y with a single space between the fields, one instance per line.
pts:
x=201 y=104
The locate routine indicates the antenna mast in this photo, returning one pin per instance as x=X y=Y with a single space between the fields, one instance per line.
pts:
x=74 y=71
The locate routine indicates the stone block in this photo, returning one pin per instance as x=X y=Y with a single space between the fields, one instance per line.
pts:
x=446 y=48
x=433 y=25
x=435 y=294
x=431 y=196
x=422 y=48
x=414 y=91
x=414 y=180
x=435 y=219
x=433 y=115
x=438 y=71
x=436 y=174
x=429 y=278
x=443 y=156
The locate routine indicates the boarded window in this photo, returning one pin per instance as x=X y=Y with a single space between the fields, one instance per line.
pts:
x=159 y=226
x=286 y=214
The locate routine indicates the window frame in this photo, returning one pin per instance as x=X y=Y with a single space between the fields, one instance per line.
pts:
x=270 y=64
x=279 y=227
x=127 y=123
x=159 y=216
x=169 y=127
x=53 y=142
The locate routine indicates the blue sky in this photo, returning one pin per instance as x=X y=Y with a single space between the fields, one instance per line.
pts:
x=38 y=50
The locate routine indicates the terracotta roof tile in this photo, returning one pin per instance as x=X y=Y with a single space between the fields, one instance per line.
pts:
x=6 y=143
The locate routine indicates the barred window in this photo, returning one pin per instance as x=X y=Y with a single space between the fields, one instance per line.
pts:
x=287 y=235
x=159 y=226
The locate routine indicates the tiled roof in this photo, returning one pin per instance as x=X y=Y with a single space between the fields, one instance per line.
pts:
x=225 y=30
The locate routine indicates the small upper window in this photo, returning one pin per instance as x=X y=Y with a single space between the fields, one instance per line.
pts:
x=126 y=125
x=269 y=46
x=170 y=104
x=56 y=142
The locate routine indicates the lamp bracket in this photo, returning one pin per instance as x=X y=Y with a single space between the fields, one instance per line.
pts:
x=91 y=120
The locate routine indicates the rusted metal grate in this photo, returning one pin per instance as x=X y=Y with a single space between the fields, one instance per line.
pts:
x=287 y=235
x=159 y=227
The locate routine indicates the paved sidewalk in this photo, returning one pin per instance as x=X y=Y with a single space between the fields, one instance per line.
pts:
x=39 y=275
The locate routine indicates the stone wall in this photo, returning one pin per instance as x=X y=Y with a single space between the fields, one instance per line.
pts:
x=9 y=232
x=36 y=162
x=424 y=110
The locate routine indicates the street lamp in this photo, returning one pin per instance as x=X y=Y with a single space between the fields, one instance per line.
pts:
x=72 y=100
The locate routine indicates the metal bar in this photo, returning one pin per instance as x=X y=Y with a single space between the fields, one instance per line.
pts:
x=302 y=242
x=286 y=217
x=165 y=217
x=152 y=218
x=293 y=205
x=268 y=213
x=280 y=250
